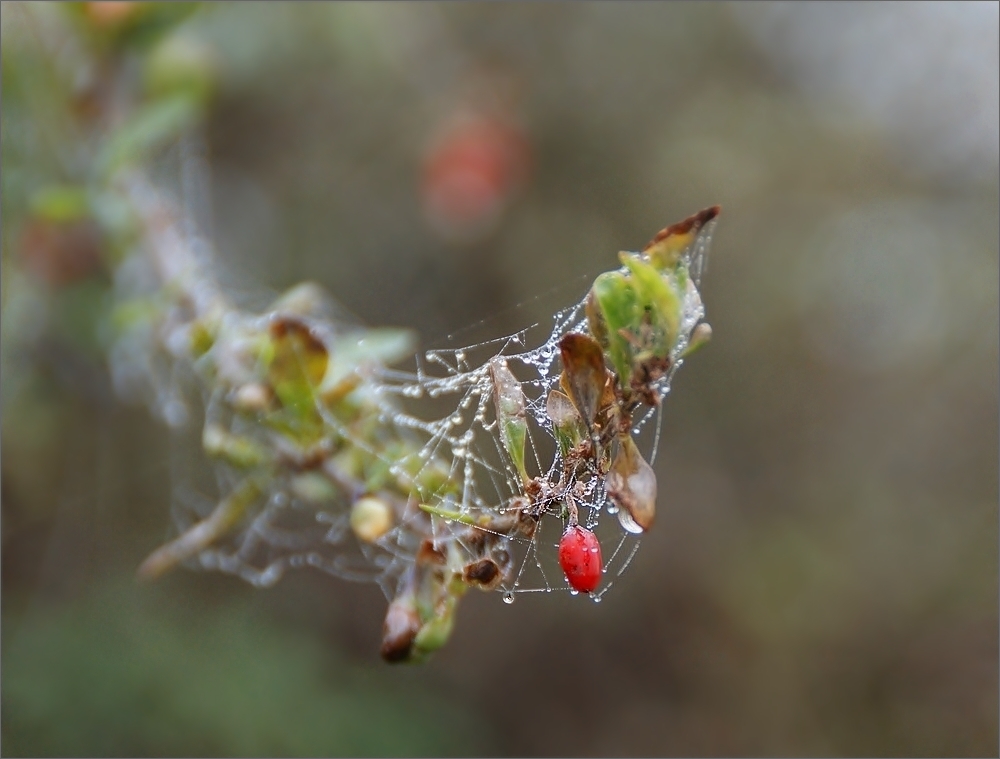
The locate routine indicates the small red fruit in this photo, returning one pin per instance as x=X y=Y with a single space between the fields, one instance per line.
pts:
x=580 y=558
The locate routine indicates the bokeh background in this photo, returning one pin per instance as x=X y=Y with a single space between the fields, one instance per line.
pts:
x=823 y=576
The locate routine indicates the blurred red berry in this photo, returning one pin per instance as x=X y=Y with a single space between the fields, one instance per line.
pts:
x=580 y=558
x=110 y=12
x=470 y=172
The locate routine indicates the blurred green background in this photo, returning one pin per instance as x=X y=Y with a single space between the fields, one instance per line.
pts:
x=823 y=576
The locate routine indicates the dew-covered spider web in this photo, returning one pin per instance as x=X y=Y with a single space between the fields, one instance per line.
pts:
x=435 y=427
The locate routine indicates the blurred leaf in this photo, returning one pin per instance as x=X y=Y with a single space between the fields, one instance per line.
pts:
x=299 y=362
x=126 y=23
x=152 y=126
x=60 y=203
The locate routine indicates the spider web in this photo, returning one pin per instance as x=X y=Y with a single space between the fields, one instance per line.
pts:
x=444 y=410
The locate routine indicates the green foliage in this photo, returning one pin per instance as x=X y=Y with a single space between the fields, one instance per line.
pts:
x=122 y=674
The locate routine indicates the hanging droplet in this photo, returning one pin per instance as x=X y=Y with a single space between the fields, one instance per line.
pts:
x=508 y=597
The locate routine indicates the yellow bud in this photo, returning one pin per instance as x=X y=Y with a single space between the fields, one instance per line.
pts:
x=371 y=518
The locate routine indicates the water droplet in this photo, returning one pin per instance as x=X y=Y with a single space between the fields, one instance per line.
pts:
x=574 y=592
x=595 y=599
x=627 y=523
x=508 y=597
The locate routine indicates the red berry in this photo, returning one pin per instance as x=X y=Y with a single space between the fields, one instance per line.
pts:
x=580 y=558
x=471 y=170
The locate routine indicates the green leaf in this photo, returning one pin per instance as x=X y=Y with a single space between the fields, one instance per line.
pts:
x=509 y=399
x=658 y=298
x=152 y=126
x=434 y=633
x=364 y=349
x=61 y=203
x=619 y=310
x=566 y=423
x=241 y=452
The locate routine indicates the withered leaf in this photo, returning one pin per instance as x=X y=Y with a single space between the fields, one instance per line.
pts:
x=631 y=484
x=584 y=375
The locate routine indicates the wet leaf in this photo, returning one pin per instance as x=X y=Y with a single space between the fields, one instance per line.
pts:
x=660 y=303
x=667 y=248
x=360 y=351
x=631 y=484
x=700 y=337
x=584 y=375
x=612 y=308
x=509 y=399
x=436 y=630
x=566 y=422
x=297 y=366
